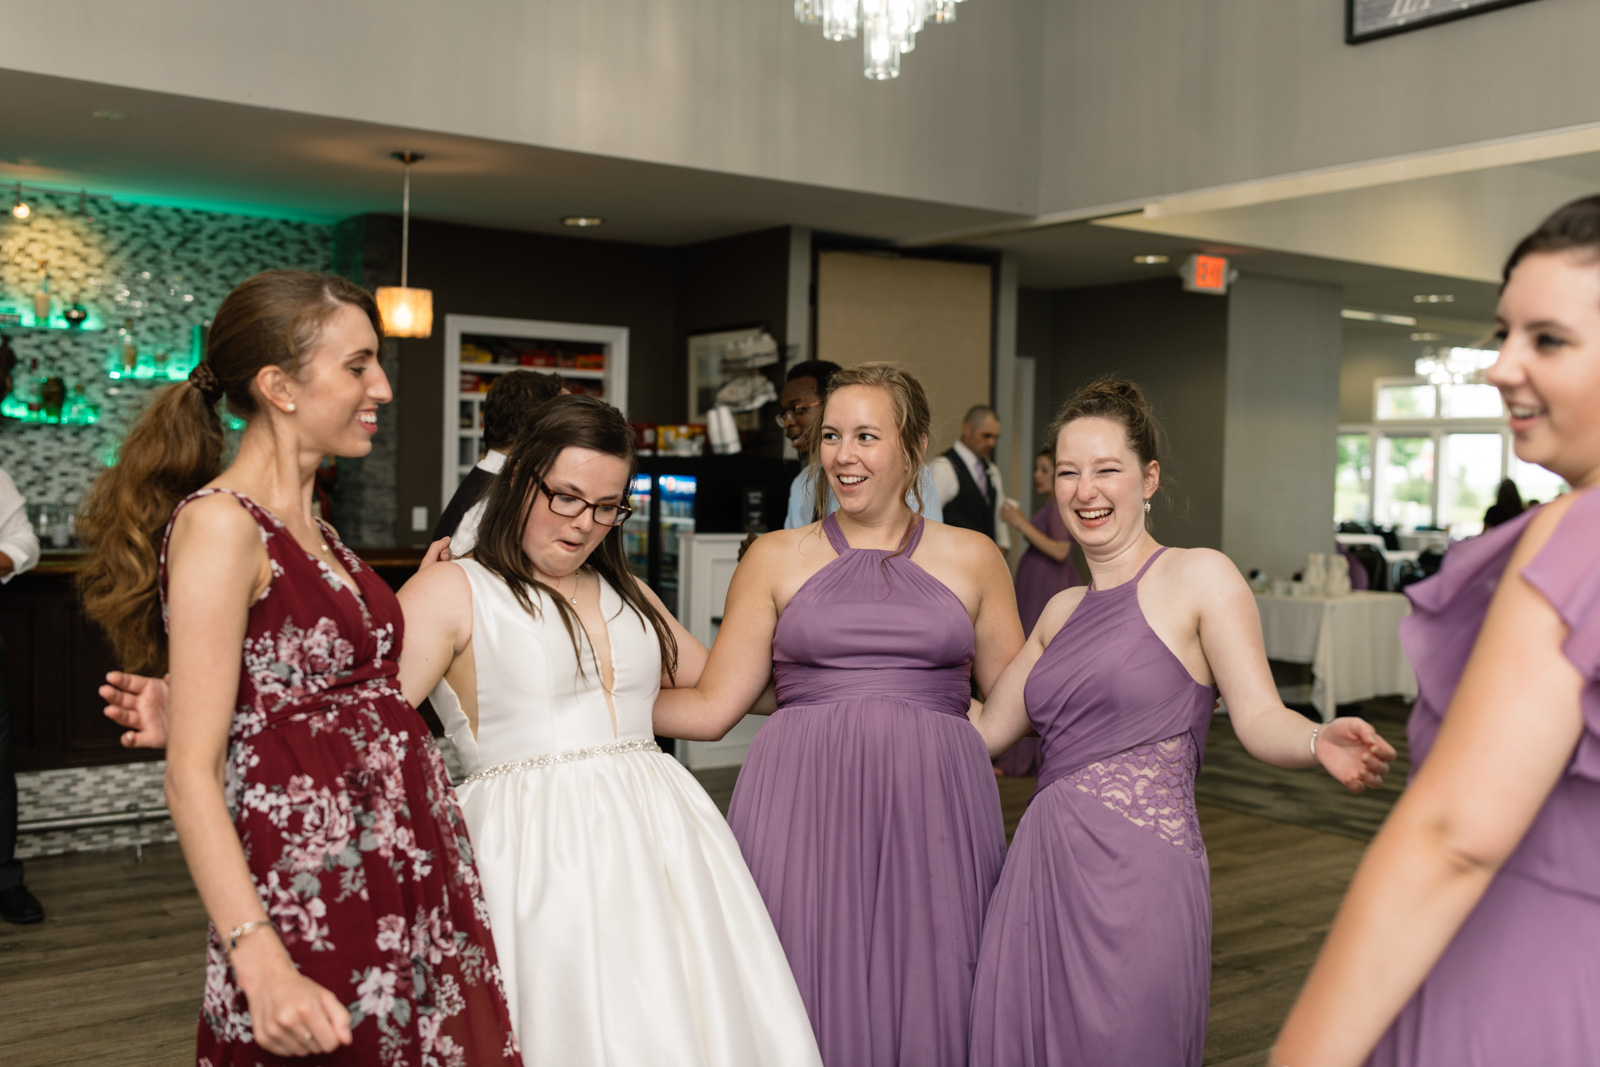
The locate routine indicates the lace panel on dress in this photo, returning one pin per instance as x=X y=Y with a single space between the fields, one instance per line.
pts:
x=1151 y=786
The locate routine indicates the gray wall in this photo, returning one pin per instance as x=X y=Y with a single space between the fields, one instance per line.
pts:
x=1372 y=351
x=1175 y=345
x=727 y=85
x=1161 y=96
x=1282 y=417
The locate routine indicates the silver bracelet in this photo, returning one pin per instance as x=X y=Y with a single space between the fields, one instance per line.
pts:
x=1315 y=732
x=242 y=929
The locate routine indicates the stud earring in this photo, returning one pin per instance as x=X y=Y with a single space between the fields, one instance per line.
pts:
x=291 y=408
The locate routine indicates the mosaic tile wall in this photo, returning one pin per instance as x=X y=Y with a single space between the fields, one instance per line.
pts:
x=80 y=791
x=165 y=269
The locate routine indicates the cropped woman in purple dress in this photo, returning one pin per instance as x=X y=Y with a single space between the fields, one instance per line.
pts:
x=1097 y=945
x=1044 y=570
x=866 y=809
x=1471 y=933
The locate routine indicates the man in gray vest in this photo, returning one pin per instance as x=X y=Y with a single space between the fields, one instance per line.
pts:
x=969 y=482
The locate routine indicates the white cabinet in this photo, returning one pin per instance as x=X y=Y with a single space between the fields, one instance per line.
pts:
x=705 y=569
x=597 y=358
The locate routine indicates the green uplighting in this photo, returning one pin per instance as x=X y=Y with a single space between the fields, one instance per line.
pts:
x=71 y=414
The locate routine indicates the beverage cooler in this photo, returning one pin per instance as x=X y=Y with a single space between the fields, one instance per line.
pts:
x=676 y=495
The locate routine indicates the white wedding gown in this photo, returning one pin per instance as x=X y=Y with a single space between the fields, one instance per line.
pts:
x=628 y=928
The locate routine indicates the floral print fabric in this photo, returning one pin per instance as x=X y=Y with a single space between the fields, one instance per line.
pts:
x=351 y=830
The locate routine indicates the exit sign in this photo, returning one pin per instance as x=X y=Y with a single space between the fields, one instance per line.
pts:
x=1205 y=274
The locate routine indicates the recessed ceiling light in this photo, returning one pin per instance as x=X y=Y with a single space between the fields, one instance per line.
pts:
x=1377 y=316
x=1427 y=335
x=1434 y=298
x=1151 y=259
x=110 y=116
x=582 y=221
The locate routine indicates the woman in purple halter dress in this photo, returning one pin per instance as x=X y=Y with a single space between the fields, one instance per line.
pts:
x=1045 y=569
x=1097 y=945
x=866 y=808
x=1470 y=935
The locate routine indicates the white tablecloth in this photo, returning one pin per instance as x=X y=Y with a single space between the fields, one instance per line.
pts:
x=1352 y=643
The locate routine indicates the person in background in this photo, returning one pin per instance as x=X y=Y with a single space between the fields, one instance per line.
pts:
x=967 y=481
x=1507 y=505
x=1046 y=568
x=803 y=389
x=19 y=551
x=1468 y=936
x=512 y=400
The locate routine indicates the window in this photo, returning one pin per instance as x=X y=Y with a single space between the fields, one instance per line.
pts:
x=1352 y=493
x=1435 y=456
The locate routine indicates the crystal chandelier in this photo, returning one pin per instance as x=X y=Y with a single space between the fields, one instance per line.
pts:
x=1455 y=366
x=887 y=28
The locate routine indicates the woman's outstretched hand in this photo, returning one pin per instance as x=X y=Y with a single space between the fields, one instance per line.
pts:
x=139 y=703
x=1353 y=753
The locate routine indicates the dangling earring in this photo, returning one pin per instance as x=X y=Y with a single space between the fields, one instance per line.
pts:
x=1147 y=507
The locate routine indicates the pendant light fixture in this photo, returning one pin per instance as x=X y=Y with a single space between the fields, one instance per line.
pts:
x=405 y=312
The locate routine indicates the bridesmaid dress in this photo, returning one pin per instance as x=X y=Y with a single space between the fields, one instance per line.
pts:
x=1038 y=579
x=1097 y=948
x=1520 y=982
x=867 y=810
x=350 y=829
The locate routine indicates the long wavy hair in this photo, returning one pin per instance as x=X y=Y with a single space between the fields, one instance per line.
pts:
x=561 y=423
x=912 y=417
x=176 y=446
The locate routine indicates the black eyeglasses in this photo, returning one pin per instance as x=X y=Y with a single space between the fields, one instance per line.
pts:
x=785 y=414
x=570 y=507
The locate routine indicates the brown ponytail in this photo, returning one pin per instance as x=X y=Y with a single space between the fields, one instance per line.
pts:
x=176 y=446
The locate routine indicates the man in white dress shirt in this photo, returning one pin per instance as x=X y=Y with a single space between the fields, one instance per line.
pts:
x=969 y=482
x=19 y=551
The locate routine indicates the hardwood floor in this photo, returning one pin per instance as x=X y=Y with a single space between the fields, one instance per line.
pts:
x=113 y=976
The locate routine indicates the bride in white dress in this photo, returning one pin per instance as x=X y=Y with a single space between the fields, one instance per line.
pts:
x=627 y=926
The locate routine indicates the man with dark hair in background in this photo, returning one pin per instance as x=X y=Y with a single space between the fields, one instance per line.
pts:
x=968 y=480
x=509 y=406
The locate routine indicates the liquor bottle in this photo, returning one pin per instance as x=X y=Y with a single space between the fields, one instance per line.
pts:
x=41 y=298
x=52 y=392
x=130 y=348
x=31 y=396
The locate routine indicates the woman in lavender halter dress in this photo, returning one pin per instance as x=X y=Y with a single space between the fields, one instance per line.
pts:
x=1097 y=945
x=1481 y=894
x=866 y=808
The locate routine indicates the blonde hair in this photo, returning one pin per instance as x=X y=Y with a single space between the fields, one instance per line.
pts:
x=912 y=417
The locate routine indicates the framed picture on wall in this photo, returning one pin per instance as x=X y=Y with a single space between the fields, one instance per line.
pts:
x=706 y=373
x=1367 y=20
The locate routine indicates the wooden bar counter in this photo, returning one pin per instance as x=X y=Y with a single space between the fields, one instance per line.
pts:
x=55 y=659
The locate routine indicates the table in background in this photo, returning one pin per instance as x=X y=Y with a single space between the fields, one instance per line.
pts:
x=1352 y=643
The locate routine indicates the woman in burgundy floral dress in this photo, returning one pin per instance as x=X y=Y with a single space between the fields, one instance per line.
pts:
x=347 y=921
